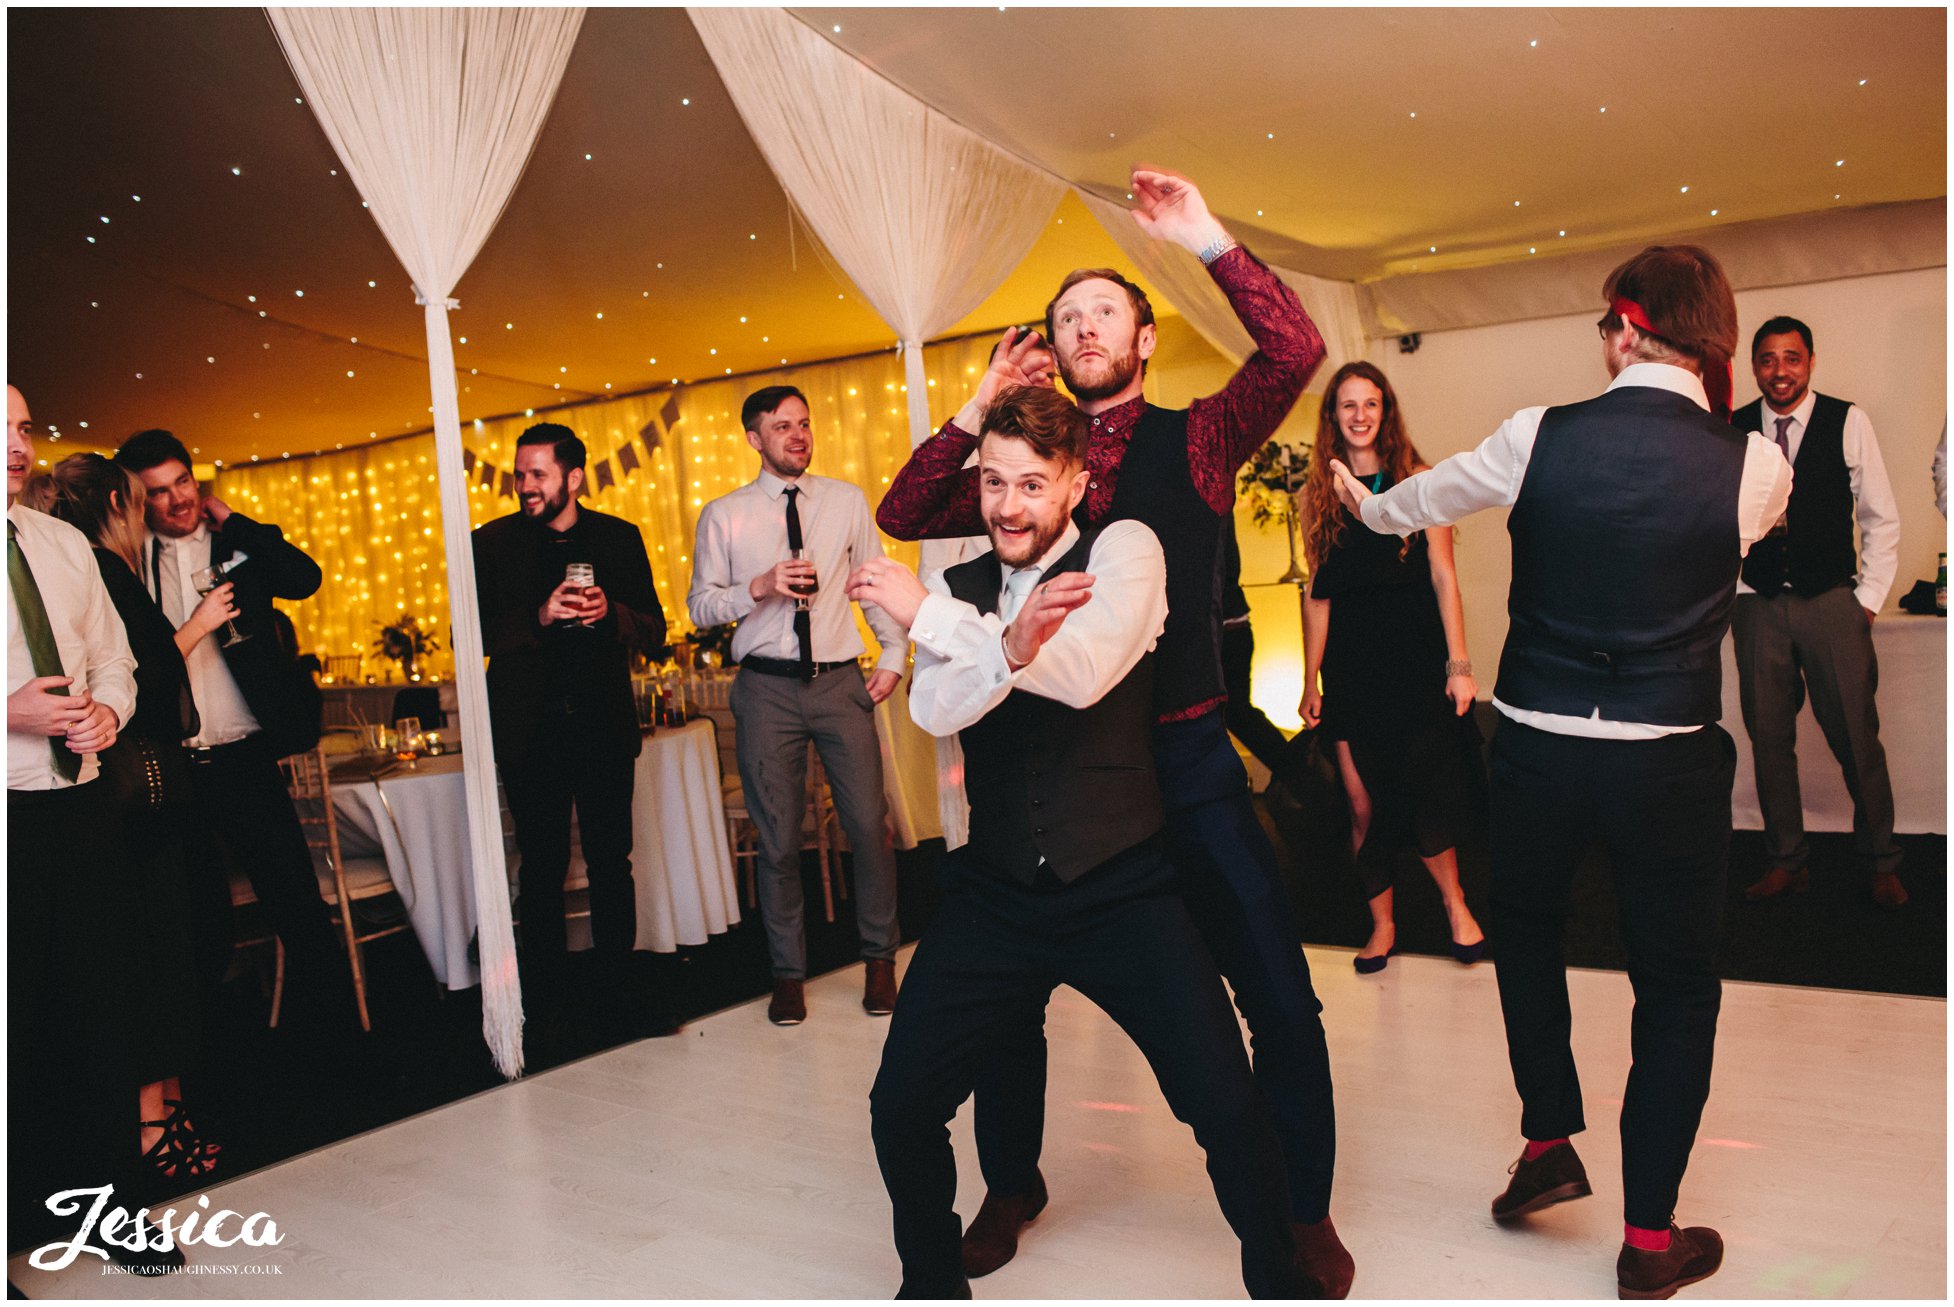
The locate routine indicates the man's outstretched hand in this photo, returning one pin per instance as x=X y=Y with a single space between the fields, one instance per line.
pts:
x=889 y=586
x=1169 y=207
x=1351 y=492
x=1044 y=611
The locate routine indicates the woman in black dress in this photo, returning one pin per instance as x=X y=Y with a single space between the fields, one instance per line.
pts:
x=105 y=502
x=1396 y=687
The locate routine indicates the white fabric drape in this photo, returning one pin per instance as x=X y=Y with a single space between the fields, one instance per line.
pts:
x=925 y=217
x=434 y=112
x=1334 y=306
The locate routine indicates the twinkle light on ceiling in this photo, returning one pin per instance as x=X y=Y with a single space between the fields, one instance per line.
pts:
x=138 y=198
x=237 y=172
x=686 y=101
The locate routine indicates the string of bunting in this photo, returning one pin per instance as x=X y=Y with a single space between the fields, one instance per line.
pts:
x=603 y=475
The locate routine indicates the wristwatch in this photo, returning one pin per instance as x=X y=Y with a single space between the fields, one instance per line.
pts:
x=1217 y=247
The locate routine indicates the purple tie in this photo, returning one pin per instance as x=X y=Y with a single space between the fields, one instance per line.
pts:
x=1784 y=440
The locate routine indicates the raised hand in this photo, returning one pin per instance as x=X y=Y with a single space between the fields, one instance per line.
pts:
x=1044 y=611
x=1169 y=207
x=1022 y=358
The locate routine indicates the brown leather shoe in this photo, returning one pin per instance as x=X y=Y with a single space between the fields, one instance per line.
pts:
x=1556 y=1176
x=1323 y=1260
x=1888 y=892
x=1776 y=881
x=789 y=1005
x=1693 y=1254
x=992 y=1238
x=879 y=987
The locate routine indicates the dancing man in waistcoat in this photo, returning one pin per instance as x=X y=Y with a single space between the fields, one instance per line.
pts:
x=1174 y=471
x=1804 y=615
x=1631 y=513
x=1039 y=653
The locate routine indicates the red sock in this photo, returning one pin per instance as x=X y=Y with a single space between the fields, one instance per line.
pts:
x=1649 y=1241
x=1535 y=1147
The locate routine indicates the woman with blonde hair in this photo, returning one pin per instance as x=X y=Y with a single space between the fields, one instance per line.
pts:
x=150 y=780
x=1396 y=688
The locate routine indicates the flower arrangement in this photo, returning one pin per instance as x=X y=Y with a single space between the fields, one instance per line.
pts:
x=404 y=642
x=1271 y=479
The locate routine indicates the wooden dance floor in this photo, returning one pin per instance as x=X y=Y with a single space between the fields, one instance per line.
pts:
x=733 y=1161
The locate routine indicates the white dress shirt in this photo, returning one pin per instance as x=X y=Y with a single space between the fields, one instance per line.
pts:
x=224 y=716
x=961 y=673
x=744 y=533
x=1490 y=477
x=88 y=635
x=1872 y=496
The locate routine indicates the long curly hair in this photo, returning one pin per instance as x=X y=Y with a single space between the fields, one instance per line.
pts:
x=1322 y=516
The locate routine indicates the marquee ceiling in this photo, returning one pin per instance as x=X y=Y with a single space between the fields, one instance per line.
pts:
x=672 y=242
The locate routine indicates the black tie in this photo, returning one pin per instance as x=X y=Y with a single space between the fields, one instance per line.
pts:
x=803 y=617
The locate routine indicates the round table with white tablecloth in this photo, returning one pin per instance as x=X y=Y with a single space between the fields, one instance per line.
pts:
x=680 y=857
x=680 y=860
x=417 y=819
x=1912 y=653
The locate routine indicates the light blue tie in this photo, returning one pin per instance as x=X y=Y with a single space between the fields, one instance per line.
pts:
x=1016 y=587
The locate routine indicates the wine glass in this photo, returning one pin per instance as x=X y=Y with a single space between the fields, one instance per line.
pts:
x=207 y=579
x=407 y=737
x=583 y=576
x=804 y=590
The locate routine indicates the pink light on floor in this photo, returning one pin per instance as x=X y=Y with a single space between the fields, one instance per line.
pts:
x=1729 y=1143
x=1091 y=1106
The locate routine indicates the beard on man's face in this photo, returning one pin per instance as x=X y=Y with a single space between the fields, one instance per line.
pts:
x=1101 y=376
x=544 y=507
x=1026 y=544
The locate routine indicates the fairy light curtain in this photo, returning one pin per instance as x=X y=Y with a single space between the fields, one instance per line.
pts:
x=926 y=217
x=434 y=113
x=371 y=518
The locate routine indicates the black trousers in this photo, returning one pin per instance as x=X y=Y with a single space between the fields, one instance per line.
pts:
x=1234 y=893
x=1662 y=809
x=995 y=950
x=71 y=1084
x=1246 y=722
x=557 y=772
x=240 y=797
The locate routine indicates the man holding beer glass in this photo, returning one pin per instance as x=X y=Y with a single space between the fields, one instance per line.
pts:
x=565 y=593
x=772 y=556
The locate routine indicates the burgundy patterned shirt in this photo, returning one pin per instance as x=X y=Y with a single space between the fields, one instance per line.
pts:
x=935 y=496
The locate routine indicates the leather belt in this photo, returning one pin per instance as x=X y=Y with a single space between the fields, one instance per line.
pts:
x=788 y=666
x=208 y=753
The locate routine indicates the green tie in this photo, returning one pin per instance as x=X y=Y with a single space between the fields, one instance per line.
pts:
x=40 y=642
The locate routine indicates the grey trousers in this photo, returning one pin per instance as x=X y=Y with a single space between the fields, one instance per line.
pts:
x=1788 y=646
x=777 y=716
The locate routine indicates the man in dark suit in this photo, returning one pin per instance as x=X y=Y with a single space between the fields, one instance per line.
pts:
x=559 y=684
x=251 y=715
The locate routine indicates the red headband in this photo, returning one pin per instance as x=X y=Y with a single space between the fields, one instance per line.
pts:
x=1719 y=383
